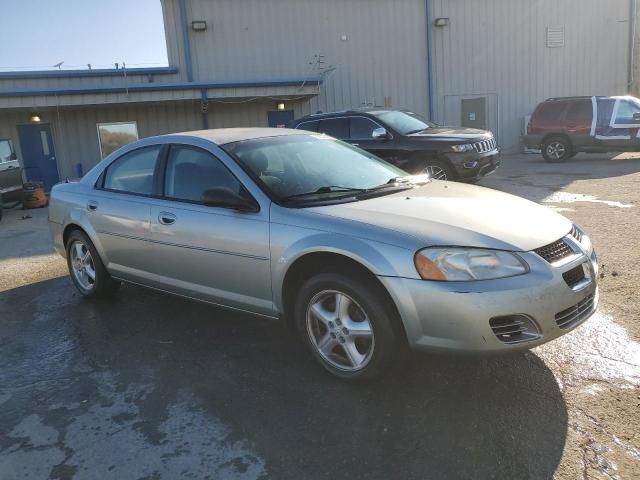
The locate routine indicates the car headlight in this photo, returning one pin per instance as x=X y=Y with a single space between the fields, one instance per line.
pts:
x=582 y=238
x=467 y=147
x=457 y=264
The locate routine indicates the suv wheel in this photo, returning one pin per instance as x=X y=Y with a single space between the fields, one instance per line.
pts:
x=86 y=268
x=347 y=326
x=557 y=149
x=434 y=168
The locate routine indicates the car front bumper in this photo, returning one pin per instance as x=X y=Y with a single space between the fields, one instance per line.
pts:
x=456 y=316
x=472 y=165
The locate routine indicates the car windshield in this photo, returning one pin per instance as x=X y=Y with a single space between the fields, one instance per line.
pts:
x=404 y=123
x=313 y=167
x=6 y=151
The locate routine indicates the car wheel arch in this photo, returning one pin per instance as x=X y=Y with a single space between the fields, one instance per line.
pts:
x=549 y=136
x=317 y=262
x=423 y=157
x=77 y=224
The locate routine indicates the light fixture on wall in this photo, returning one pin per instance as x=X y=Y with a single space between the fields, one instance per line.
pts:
x=198 y=25
x=35 y=118
x=280 y=106
x=441 y=22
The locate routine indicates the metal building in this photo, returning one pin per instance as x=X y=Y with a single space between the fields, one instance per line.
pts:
x=485 y=63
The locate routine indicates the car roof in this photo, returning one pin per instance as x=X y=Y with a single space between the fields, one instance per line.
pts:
x=346 y=113
x=222 y=136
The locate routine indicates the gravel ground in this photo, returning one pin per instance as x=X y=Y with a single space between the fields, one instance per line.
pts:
x=151 y=386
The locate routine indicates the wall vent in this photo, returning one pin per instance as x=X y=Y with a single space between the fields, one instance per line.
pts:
x=555 y=37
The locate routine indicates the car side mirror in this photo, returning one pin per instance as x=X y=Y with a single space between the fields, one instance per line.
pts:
x=636 y=117
x=380 y=133
x=13 y=156
x=226 y=198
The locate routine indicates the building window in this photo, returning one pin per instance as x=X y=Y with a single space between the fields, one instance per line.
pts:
x=112 y=136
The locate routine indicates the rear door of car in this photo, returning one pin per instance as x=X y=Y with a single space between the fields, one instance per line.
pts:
x=210 y=253
x=578 y=120
x=119 y=208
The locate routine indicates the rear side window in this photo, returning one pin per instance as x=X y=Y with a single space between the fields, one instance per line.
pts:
x=549 y=112
x=581 y=110
x=133 y=172
x=335 y=127
x=192 y=171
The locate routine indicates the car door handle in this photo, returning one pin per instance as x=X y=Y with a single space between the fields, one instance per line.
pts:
x=166 y=218
x=92 y=205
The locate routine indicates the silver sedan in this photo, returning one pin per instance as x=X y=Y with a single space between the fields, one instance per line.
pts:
x=361 y=258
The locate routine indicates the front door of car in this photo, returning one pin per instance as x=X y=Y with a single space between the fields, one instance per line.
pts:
x=215 y=254
x=119 y=208
x=361 y=134
x=626 y=118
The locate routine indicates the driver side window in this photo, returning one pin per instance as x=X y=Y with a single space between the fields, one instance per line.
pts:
x=191 y=172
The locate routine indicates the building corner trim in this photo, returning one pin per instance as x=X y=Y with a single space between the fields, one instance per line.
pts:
x=185 y=40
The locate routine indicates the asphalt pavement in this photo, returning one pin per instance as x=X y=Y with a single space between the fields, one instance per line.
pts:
x=152 y=386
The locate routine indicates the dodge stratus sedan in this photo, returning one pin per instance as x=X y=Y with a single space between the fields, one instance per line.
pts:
x=360 y=257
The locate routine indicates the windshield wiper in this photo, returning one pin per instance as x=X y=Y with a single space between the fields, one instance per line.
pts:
x=325 y=189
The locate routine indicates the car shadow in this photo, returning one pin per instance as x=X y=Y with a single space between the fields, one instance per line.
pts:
x=433 y=417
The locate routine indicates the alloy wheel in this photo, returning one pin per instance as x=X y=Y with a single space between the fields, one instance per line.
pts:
x=82 y=265
x=435 y=172
x=340 y=330
x=556 y=150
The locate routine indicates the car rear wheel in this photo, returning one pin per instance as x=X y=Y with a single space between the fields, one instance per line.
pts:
x=557 y=149
x=86 y=268
x=434 y=168
x=347 y=327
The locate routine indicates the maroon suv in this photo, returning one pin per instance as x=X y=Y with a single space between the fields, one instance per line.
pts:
x=564 y=127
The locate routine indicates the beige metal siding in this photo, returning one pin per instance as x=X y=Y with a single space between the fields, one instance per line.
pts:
x=384 y=54
x=75 y=134
x=498 y=49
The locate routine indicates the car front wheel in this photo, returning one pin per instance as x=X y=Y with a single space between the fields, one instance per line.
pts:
x=434 y=168
x=86 y=268
x=347 y=326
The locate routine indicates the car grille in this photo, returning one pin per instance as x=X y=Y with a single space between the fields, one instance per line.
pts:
x=577 y=234
x=514 y=329
x=574 y=276
x=485 y=146
x=555 y=251
x=576 y=314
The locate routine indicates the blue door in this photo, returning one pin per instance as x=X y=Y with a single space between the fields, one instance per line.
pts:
x=280 y=118
x=38 y=155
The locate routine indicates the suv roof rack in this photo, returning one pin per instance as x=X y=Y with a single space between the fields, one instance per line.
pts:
x=555 y=99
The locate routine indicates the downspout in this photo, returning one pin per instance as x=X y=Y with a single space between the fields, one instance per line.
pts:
x=204 y=109
x=185 y=39
x=429 y=39
x=631 y=80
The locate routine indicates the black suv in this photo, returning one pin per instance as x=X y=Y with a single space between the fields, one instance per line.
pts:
x=412 y=143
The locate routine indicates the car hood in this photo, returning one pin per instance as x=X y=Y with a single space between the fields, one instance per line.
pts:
x=451 y=134
x=455 y=214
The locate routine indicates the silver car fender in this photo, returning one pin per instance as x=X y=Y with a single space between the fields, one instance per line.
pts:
x=379 y=259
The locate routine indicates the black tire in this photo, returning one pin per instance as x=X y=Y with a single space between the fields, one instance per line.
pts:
x=438 y=170
x=557 y=149
x=380 y=316
x=103 y=285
